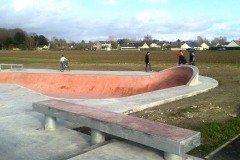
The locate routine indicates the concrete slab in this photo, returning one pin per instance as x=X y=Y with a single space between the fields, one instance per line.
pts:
x=124 y=150
x=121 y=151
x=15 y=99
x=22 y=137
x=21 y=134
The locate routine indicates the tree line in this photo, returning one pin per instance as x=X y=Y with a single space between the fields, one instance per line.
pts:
x=17 y=38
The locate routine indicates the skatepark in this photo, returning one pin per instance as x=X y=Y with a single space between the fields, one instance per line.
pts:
x=22 y=130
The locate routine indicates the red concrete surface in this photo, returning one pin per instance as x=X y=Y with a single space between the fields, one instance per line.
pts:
x=97 y=86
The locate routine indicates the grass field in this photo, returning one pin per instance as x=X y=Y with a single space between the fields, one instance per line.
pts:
x=114 y=57
x=215 y=113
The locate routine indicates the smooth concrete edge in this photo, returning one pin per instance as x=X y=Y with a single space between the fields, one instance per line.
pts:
x=196 y=89
x=221 y=147
x=82 y=72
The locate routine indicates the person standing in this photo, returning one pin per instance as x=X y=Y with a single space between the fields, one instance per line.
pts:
x=147 y=61
x=193 y=59
x=190 y=55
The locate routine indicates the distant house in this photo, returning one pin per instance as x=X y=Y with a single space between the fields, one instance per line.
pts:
x=218 y=45
x=104 y=45
x=94 y=47
x=206 y=45
x=225 y=44
x=43 y=47
x=128 y=46
x=222 y=45
x=166 y=46
x=133 y=46
x=155 y=45
x=16 y=49
x=192 y=45
x=234 y=43
x=141 y=45
x=174 y=46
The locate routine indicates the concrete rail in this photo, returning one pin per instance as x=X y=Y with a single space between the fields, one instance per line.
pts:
x=11 y=66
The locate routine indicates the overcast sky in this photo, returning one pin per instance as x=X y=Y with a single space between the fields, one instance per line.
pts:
x=76 y=20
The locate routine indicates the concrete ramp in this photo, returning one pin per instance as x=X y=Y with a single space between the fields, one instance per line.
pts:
x=76 y=86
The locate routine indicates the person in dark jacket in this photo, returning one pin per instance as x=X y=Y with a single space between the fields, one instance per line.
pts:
x=181 y=58
x=147 y=61
x=190 y=53
x=192 y=60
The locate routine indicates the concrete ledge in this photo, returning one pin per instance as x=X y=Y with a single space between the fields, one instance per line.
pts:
x=170 y=139
x=194 y=80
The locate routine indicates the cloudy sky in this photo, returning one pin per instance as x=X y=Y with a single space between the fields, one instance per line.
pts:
x=76 y=20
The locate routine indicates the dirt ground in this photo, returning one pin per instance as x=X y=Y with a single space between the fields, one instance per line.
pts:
x=219 y=104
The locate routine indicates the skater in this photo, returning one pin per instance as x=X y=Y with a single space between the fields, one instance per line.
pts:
x=181 y=58
x=147 y=61
x=63 y=63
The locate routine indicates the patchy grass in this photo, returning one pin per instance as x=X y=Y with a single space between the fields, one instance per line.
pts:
x=216 y=134
x=130 y=57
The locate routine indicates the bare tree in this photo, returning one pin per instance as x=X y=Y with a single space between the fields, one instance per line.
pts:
x=58 y=44
x=29 y=43
x=219 y=40
x=111 y=38
x=148 y=39
x=178 y=43
x=200 y=40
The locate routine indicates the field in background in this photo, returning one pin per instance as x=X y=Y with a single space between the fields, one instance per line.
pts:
x=214 y=113
x=49 y=59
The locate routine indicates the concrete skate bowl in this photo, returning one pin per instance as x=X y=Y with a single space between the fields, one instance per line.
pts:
x=86 y=86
